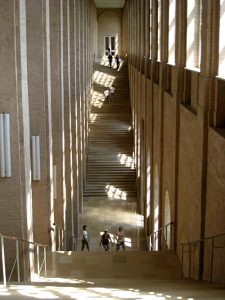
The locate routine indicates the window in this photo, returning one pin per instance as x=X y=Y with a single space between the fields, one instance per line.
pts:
x=150 y=30
x=110 y=45
x=193 y=50
x=172 y=25
x=159 y=30
x=221 y=71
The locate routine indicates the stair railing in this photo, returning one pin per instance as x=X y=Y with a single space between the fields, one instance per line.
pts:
x=19 y=255
x=188 y=248
x=162 y=239
x=64 y=239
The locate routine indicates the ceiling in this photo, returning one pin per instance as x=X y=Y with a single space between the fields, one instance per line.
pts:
x=109 y=3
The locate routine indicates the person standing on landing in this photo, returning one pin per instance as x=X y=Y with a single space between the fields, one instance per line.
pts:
x=105 y=239
x=85 y=239
x=120 y=239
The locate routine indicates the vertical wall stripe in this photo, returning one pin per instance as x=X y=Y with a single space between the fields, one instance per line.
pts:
x=62 y=110
x=49 y=100
x=26 y=123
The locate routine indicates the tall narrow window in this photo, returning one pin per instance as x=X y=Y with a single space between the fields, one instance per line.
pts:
x=172 y=25
x=193 y=58
x=159 y=30
x=150 y=30
x=5 y=147
x=221 y=71
x=35 y=143
x=110 y=44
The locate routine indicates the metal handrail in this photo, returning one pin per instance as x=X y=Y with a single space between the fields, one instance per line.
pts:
x=17 y=259
x=153 y=238
x=195 y=243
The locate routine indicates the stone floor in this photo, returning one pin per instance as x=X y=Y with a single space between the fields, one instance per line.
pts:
x=58 y=288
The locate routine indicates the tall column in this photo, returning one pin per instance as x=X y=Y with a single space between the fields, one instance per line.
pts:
x=79 y=105
x=57 y=120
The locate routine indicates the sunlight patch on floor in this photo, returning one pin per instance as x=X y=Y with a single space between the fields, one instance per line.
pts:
x=103 y=79
x=97 y=99
x=115 y=193
x=126 y=160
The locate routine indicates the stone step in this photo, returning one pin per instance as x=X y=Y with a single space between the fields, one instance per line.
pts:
x=111 y=264
x=107 y=187
x=111 y=173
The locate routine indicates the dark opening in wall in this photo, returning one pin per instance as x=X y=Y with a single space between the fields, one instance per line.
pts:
x=168 y=78
x=148 y=68
x=143 y=65
x=156 y=71
x=219 y=105
x=191 y=85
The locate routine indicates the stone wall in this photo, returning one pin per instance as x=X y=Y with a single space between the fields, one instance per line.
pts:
x=46 y=58
x=184 y=130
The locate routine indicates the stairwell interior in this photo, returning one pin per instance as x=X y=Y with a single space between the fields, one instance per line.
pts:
x=110 y=201
x=110 y=195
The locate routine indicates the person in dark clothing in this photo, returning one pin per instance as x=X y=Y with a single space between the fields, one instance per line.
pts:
x=108 y=51
x=85 y=239
x=110 y=60
x=117 y=59
x=105 y=239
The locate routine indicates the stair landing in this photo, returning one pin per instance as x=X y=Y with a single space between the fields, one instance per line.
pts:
x=124 y=264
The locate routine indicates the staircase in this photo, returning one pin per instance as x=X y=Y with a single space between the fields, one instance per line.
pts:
x=110 y=198
x=110 y=168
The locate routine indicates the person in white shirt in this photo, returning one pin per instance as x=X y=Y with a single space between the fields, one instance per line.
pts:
x=112 y=91
x=120 y=239
x=106 y=94
x=85 y=239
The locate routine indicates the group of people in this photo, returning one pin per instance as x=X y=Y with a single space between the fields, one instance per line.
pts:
x=110 y=58
x=105 y=239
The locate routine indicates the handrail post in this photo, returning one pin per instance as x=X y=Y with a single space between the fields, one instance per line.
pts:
x=189 y=276
x=166 y=237
x=45 y=261
x=172 y=229
x=182 y=254
x=154 y=245
x=59 y=240
x=211 y=265
x=65 y=241
x=38 y=263
x=18 y=260
x=3 y=262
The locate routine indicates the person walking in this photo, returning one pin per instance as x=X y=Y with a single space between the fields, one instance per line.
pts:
x=107 y=94
x=112 y=91
x=110 y=60
x=105 y=239
x=120 y=239
x=85 y=239
x=117 y=59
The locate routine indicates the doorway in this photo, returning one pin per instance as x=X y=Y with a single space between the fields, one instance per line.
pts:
x=110 y=44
